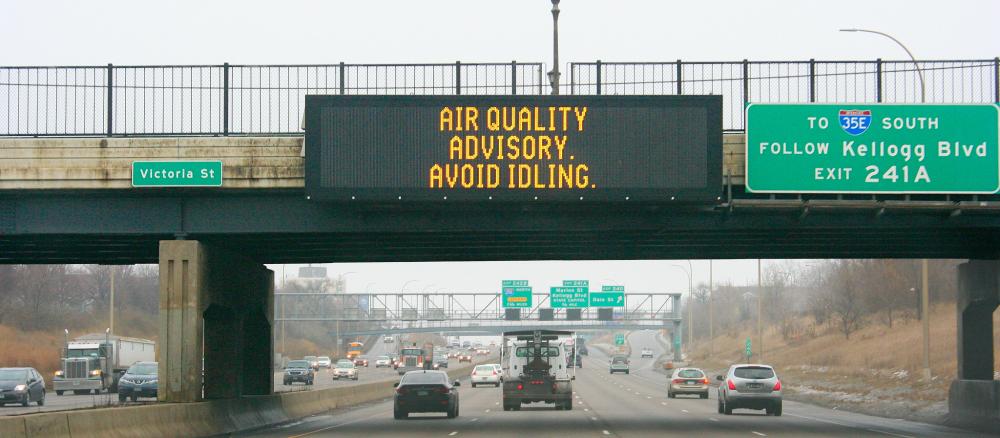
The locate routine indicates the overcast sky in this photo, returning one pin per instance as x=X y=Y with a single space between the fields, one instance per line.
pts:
x=67 y=32
x=45 y=32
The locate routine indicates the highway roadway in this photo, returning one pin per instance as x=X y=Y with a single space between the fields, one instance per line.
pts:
x=324 y=380
x=633 y=405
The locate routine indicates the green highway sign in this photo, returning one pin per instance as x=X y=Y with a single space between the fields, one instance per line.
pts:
x=873 y=148
x=176 y=174
x=568 y=297
x=620 y=339
x=515 y=293
x=749 y=352
x=608 y=297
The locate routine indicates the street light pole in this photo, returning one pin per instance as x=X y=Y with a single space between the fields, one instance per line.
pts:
x=924 y=299
x=711 y=313
x=690 y=301
x=920 y=73
x=554 y=74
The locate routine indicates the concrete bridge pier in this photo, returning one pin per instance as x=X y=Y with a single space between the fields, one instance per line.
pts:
x=974 y=396
x=216 y=307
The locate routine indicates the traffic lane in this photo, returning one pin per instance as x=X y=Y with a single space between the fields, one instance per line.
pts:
x=66 y=401
x=324 y=379
x=476 y=405
x=798 y=418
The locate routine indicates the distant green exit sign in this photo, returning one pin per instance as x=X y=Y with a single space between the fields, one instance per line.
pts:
x=176 y=174
x=873 y=148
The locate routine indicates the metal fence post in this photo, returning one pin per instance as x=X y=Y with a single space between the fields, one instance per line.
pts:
x=111 y=94
x=598 y=76
x=746 y=83
x=458 y=77
x=812 y=80
x=680 y=80
x=996 y=79
x=513 y=78
x=225 y=99
x=343 y=77
x=572 y=78
x=878 y=80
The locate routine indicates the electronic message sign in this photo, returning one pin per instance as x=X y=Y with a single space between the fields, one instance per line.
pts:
x=513 y=148
x=873 y=148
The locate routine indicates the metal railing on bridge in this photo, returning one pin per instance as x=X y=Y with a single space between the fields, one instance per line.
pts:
x=231 y=99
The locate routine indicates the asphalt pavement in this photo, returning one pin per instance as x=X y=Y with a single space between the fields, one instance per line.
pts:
x=633 y=405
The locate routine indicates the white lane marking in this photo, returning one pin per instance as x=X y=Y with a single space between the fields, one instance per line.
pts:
x=453 y=433
x=606 y=432
x=473 y=420
x=580 y=403
x=338 y=425
x=593 y=418
x=757 y=433
x=663 y=403
x=487 y=410
x=497 y=403
x=714 y=419
x=848 y=425
x=586 y=410
x=648 y=397
x=684 y=411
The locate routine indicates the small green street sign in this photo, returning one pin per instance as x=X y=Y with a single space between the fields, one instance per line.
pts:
x=515 y=293
x=569 y=297
x=749 y=351
x=176 y=174
x=620 y=339
x=576 y=283
x=873 y=148
x=612 y=288
x=607 y=299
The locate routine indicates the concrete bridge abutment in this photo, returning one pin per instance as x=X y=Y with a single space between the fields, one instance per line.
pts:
x=974 y=396
x=216 y=319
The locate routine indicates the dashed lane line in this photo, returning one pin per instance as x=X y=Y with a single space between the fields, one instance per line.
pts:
x=758 y=433
x=453 y=433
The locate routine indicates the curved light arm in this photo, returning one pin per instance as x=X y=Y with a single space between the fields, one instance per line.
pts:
x=920 y=73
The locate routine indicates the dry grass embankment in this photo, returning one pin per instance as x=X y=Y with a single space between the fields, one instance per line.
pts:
x=877 y=370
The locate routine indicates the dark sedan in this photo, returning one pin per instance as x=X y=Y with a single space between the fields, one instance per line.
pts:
x=425 y=391
x=21 y=385
x=138 y=381
x=299 y=371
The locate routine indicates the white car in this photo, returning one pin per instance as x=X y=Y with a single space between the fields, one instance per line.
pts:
x=388 y=340
x=383 y=361
x=646 y=352
x=324 y=362
x=345 y=369
x=485 y=375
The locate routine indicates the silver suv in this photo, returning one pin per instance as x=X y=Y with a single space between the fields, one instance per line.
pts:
x=750 y=386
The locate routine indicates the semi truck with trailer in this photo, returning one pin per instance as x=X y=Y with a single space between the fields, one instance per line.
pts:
x=94 y=362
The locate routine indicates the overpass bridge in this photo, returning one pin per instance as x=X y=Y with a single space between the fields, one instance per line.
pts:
x=71 y=133
x=476 y=313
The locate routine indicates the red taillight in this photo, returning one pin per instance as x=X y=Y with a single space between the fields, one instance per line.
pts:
x=777 y=386
x=678 y=381
x=704 y=381
x=401 y=391
x=494 y=372
x=443 y=390
x=732 y=385
x=520 y=386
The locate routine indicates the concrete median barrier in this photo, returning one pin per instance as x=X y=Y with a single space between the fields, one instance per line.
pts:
x=208 y=418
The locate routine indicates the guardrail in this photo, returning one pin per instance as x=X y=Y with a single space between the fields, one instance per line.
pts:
x=227 y=99
x=230 y=99
x=743 y=82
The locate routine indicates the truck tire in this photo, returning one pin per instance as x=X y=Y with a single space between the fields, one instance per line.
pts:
x=399 y=414
x=569 y=405
x=41 y=401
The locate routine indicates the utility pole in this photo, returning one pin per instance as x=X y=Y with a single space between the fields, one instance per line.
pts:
x=554 y=74
x=760 y=329
x=711 y=313
x=111 y=307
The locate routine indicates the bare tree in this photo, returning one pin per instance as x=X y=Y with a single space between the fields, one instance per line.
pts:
x=846 y=297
